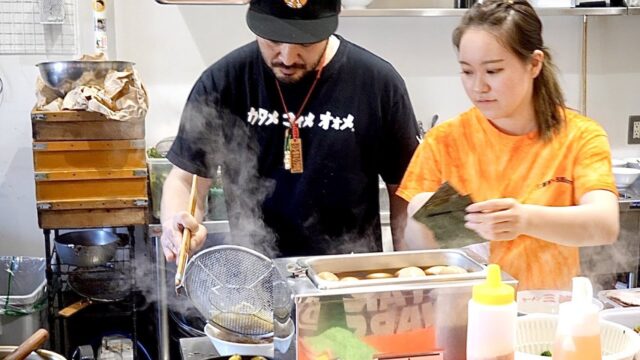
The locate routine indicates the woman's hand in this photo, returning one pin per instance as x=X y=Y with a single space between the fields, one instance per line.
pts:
x=417 y=236
x=496 y=219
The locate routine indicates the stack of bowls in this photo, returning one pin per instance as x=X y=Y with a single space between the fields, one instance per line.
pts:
x=618 y=163
x=625 y=171
x=625 y=176
x=632 y=163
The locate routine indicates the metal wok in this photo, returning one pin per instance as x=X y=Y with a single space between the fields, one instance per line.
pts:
x=87 y=248
x=105 y=285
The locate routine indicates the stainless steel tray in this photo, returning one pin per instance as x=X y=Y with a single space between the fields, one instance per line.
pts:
x=391 y=260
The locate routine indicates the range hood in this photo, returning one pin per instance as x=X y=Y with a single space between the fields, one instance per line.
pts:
x=203 y=2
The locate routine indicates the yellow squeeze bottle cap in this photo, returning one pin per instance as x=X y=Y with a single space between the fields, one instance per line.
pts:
x=493 y=291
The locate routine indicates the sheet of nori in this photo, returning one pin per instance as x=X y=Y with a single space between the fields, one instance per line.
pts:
x=444 y=214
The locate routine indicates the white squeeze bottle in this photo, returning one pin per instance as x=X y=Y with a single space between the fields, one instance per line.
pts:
x=578 y=332
x=491 y=330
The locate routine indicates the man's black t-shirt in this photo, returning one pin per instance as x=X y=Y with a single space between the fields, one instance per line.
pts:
x=358 y=124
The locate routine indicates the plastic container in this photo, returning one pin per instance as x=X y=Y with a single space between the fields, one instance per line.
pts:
x=536 y=333
x=491 y=329
x=216 y=206
x=629 y=317
x=578 y=332
x=158 y=171
x=22 y=297
x=545 y=301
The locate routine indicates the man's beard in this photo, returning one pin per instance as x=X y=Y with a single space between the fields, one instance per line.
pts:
x=301 y=75
x=290 y=79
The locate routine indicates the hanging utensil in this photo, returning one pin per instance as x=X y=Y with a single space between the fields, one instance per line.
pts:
x=31 y=344
x=183 y=254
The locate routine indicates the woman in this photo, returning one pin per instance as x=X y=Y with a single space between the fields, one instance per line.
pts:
x=538 y=172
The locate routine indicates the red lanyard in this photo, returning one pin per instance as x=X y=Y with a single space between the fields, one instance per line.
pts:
x=294 y=126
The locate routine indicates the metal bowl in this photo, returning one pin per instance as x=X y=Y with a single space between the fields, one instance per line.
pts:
x=87 y=248
x=66 y=75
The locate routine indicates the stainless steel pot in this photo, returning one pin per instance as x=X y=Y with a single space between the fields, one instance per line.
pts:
x=36 y=355
x=87 y=248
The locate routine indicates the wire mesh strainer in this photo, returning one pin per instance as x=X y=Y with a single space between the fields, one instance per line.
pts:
x=232 y=287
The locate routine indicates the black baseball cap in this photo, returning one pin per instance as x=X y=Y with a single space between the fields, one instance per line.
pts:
x=293 y=21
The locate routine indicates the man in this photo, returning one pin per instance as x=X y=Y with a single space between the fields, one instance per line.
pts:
x=304 y=187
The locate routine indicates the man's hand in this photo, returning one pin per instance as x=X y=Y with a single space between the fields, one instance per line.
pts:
x=172 y=234
x=496 y=219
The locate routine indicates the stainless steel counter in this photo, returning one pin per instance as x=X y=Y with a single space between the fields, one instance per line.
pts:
x=196 y=348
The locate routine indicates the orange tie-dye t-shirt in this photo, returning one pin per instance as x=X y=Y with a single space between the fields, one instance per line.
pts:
x=477 y=158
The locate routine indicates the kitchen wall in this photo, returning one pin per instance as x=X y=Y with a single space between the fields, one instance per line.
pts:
x=171 y=45
x=19 y=232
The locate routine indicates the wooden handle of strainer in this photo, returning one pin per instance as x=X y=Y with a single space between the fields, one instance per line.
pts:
x=183 y=254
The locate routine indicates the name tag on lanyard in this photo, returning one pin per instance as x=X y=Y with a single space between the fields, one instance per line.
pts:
x=296 y=156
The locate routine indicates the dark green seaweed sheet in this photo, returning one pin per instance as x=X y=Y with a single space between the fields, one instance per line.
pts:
x=444 y=214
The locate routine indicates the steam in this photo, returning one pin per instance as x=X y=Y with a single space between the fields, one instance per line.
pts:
x=218 y=138
x=223 y=139
x=353 y=243
x=146 y=284
x=602 y=263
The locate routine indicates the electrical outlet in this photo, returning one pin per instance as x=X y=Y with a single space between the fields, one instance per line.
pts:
x=634 y=130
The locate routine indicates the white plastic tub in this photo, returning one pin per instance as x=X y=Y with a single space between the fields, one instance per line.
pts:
x=22 y=298
x=629 y=317
x=536 y=333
